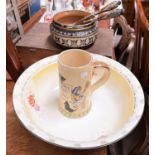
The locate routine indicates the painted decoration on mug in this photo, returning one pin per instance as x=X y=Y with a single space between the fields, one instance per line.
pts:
x=73 y=96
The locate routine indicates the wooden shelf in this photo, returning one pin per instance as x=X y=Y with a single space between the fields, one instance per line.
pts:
x=10 y=27
x=22 y=2
x=9 y=10
x=8 y=6
x=14 y=26
x=33 y=19
x=16 y=39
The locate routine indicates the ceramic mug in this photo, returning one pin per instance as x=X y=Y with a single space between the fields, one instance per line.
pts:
x=76 y=69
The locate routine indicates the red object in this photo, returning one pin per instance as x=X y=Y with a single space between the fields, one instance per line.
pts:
x=104 y=24
x=31 y=100
x=48 y=18
x=94 y=3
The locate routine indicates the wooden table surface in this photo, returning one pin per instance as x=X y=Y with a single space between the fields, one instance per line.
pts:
x=39 y=38
x=22 y=142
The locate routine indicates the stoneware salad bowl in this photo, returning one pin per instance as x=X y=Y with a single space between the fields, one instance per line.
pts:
x=66 y=34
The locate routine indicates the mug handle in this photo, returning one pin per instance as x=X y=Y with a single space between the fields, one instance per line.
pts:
x=104 y=78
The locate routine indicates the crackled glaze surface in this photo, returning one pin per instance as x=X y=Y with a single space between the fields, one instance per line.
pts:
x=116 y=107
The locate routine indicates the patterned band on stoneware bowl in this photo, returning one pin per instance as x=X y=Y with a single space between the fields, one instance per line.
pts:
x=117 y=107
x=74 y=39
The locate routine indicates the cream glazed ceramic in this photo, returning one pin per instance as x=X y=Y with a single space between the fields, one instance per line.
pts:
x=76 y=69
x=117 y=106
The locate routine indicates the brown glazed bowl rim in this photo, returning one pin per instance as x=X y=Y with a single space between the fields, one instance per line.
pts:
x=71 y=13
x=63 y=28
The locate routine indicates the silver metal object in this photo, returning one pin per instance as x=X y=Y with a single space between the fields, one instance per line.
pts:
x=54 y=6
x=106 y=8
